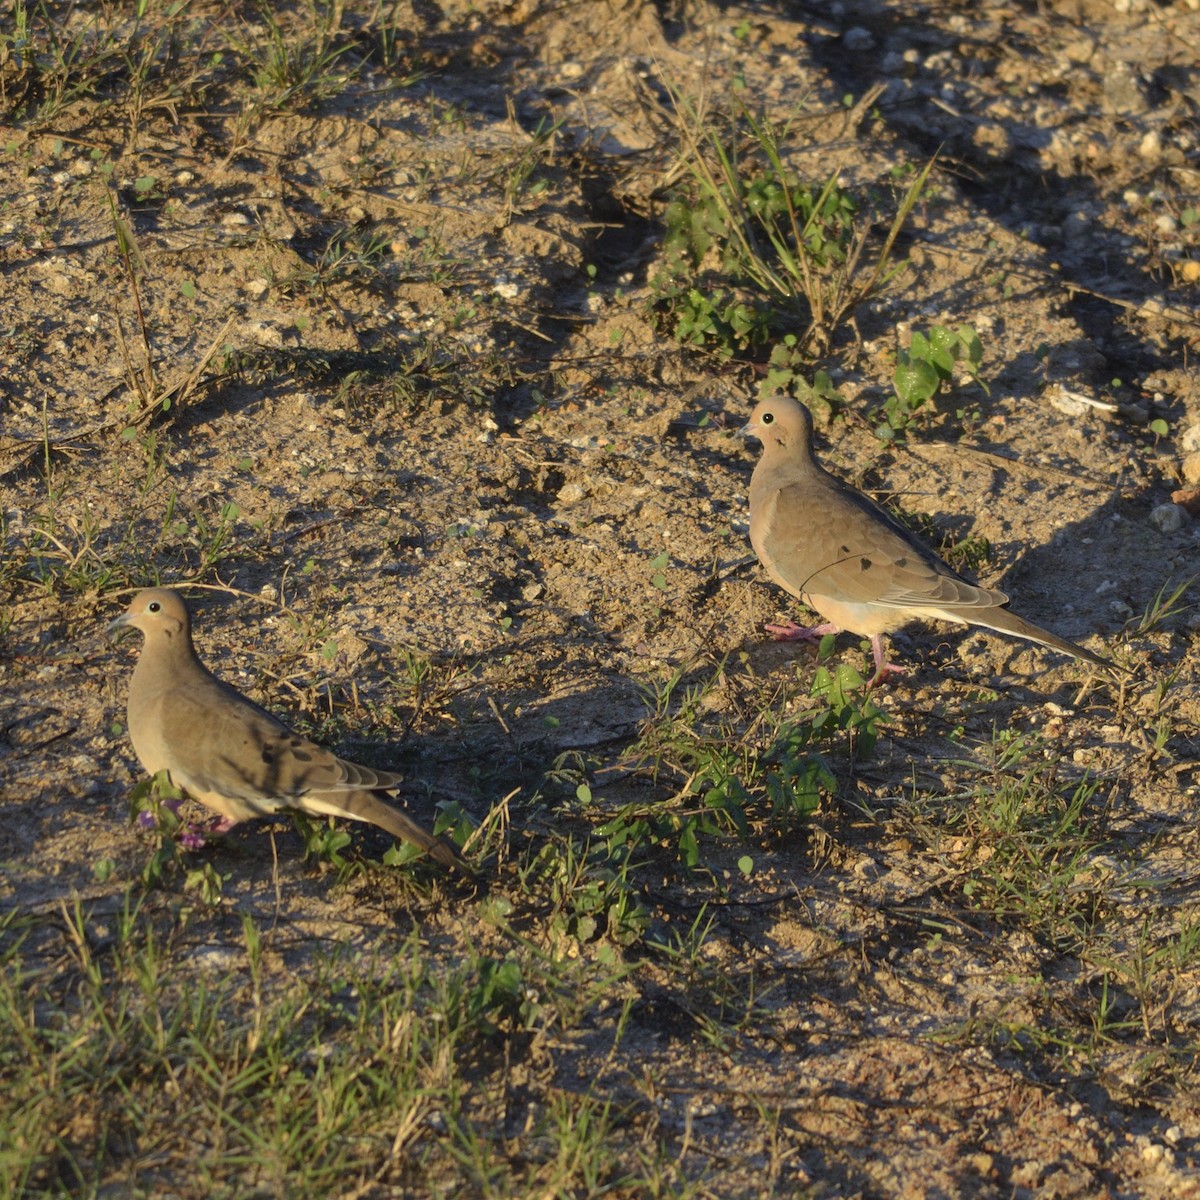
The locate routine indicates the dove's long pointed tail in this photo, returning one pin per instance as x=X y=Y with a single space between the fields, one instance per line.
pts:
x=364 y=806
x=1001 y=620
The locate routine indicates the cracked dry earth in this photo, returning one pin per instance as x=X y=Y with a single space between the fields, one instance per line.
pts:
x=476 y=452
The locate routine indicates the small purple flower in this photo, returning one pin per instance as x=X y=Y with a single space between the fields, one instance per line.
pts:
x=192 y=838
x=146 y=820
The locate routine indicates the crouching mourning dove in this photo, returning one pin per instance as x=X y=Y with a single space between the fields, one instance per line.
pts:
x=844 y=556
x=236 y=758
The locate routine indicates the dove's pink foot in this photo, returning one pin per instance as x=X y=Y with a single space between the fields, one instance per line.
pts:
x=884 y=670
x=791 y=632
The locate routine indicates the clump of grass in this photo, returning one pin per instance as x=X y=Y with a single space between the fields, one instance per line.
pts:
x=1032 y=850
x=293 y=64
x=1023 y=842
x=1158 y=712
x=970 y=553
x=721 y=1003
x=150 y=395
x=53 y=54
x=65 y=546
x=129 y=1061
x=754 y=254
x=727 y=780
x=523 y=175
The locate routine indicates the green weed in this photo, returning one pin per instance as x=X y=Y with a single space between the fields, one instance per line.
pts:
x=1156 y=968
x=753 y=254
x=924 y=369
x=522 y=178
x=336 y=1071
x=721 y=1003
x=726 y=780
x=295 y=68
x=1024 y=844
x=589 y=890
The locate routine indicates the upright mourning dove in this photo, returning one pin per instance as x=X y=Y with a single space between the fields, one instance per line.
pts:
x=233 y=756
x=844 y=556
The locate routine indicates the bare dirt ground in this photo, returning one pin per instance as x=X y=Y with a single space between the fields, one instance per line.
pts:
x=473 y=507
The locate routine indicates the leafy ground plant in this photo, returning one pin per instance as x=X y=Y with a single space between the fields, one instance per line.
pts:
x=730 y=781
x=753 y=254
x=925 y=369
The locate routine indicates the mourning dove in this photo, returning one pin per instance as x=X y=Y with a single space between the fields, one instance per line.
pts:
x=844 y=556
x=231 y=755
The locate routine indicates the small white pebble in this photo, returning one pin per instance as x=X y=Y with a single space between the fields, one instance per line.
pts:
x=1189 y=440
x=569 y=493
x=214 y=958
x=1168 y=518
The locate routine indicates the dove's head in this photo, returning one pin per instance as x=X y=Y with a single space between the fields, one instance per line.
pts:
x=781 y=424
x=158 y=613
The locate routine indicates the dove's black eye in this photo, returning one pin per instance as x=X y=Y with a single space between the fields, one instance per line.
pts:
x=153 y=606
x=768 y=418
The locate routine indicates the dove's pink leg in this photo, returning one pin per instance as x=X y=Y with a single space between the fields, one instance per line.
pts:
x=883 y=669
x=791 y=632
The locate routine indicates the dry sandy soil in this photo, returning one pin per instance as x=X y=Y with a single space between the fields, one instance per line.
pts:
x=467 y=500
